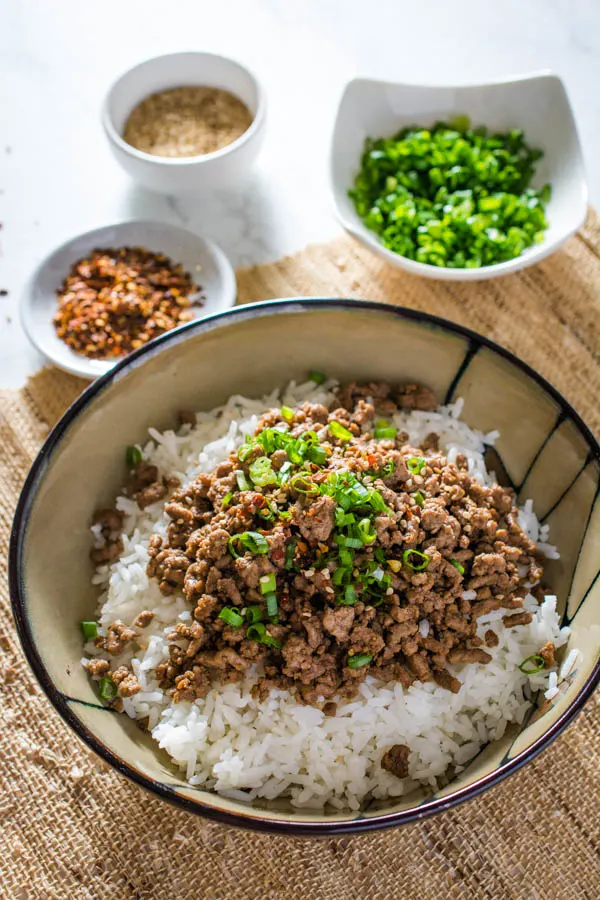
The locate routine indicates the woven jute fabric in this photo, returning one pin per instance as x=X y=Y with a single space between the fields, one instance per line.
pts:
x=71 y=828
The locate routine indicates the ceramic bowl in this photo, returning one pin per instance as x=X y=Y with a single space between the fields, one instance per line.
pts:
x=224 y=168
x=203 y=259
x=544 y=449
x=536 y=103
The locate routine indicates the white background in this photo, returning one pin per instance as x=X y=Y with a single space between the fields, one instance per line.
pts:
x=58 y=57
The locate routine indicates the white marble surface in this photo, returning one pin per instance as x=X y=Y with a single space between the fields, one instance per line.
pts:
x=57 y=58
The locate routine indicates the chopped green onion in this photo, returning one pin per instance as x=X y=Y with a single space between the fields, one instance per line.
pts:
x=133 y=456
x=388 y=433
x=366 y=531
x=317 y=455
x=304 y=485
x=287 y=412
x=261 y=472
x=245 y=450
x=350 y=595
x=341 y=574
x=252 y=541
x=253 y=614
x=538 y=663
x=419 y=498
x=259 y=633
x=337 y=430
x=90 y=630
x=267 y=514
x=242 y=482
x=231 y=616
x=354 y=543
x=108 y=689
x=290 y=553
x=227 y=499
x=416 y=464
x=359 y=660
x=271 y=602
x=317 y=377
x=458 y=565
x=267 y=583
x=346 y=557
x=408 y=555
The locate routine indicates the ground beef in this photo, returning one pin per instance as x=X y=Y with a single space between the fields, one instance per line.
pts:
x=395 y=760
x=547 y=653
x=336 y=621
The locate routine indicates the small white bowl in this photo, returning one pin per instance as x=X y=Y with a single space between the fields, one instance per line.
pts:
x=223 y=168
x=204 y=260
x=537 y=103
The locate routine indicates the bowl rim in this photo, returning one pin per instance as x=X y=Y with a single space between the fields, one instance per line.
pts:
x=80 y=364
x=183 y=161
x=534 y=254
x=271 y=824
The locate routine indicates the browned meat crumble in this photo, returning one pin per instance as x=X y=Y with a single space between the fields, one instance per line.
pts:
x=363 y=549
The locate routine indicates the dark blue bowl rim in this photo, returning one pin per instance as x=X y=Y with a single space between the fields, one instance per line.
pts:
x=166 y=792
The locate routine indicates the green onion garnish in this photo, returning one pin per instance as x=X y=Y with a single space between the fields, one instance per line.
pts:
x=419 y=498
x=258 y=632
x=304 y=485
x=252 y=541
x=537 y=662
x=253 y=614
x=290 y=553
x=416 y=464
x=227 y=499
x=458 y=565
x=133 y=456
x=349 y=595
x=108 y=689
x=317 y=377
x=271 y=603
x=242 y=482
x=267 y=583
x=261 y=472
x=409 y=555
x=287 y=412
x=366 y=532
x=383 y=430
x=317 y=455
x=359 y=660
x=231 y=616
x=337 y=430
x=245 y=450
x=90 y=630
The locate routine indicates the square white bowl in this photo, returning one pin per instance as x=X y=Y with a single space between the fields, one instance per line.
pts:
x=536 y=103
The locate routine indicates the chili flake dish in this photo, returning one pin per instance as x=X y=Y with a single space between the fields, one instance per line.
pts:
x=116 y=300
x=323 y=594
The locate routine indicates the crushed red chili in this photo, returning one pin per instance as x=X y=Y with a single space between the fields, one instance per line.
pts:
x=116 y=300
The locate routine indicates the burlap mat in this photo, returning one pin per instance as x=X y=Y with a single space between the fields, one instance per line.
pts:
x=70 y=827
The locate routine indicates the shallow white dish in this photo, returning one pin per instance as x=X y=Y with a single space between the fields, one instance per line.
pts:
x=537 y=103
x=204 y=260
x=222 y=169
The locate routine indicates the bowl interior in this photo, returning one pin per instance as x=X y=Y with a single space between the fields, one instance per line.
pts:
x=178 y=70
x=543 y=448
x=537 y=104
x=206 y=263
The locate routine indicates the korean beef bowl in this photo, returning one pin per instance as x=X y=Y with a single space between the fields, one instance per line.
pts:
x=314 y=566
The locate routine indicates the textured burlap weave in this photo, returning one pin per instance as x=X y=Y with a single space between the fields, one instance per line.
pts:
x=71 y=828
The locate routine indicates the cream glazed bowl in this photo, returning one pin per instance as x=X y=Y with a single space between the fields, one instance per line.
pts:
x=223 y=168
x=544 y=451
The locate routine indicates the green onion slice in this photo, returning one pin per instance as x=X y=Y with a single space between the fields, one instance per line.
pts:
x=267 y=583
x=227 y=499
x=359 y=660
x=339 y=431
x=537 y=664
x=259 y=633
x=317 y=377
x=252 y=541
x=253 y=614
x=271 y=603
x=388 y=433
x=317 y=455
x=245 y=450
x=366 y=532
x=231 y=616
x=242 y=482
x=108 y=689
x=287 y=412
x=90 y=630
x=458 y=565
x=133 y=456
x=290 y=553
x=304 y=485
x=261 y=472
x=409 y=556
x=416 y=464
x=419 y=498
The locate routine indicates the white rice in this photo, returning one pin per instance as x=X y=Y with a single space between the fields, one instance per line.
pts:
x=245 y=749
